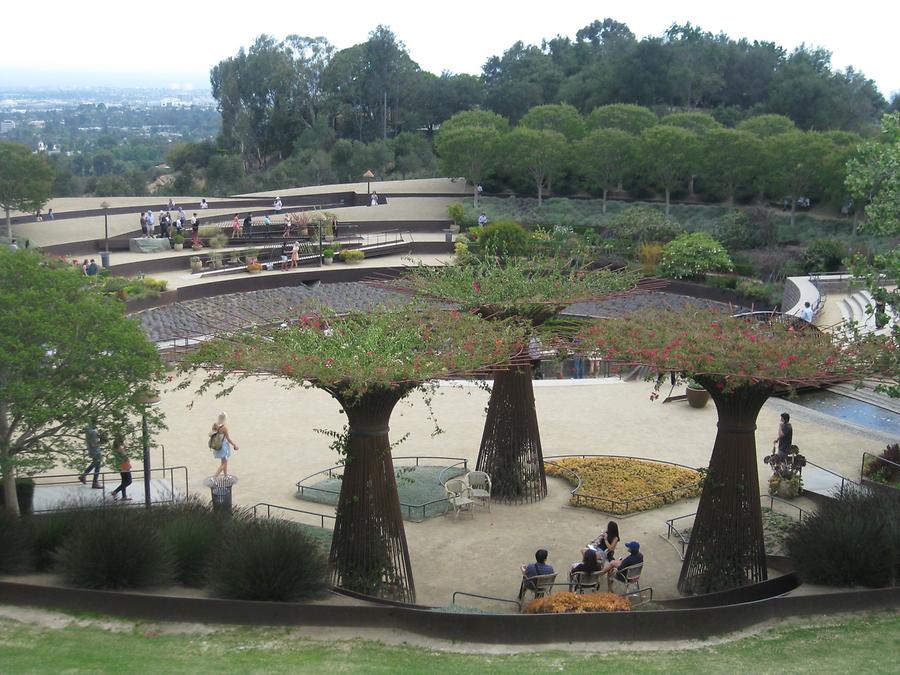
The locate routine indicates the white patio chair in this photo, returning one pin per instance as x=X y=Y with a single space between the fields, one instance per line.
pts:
x=480 y=487
x=457 y=491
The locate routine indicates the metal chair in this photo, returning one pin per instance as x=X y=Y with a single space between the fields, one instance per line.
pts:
x=629 y=576
x=457 y=491
x=539 y=586
x=585 y=582
x=479 y=487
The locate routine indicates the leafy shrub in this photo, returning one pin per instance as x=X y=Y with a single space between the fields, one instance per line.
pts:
x=851 y=540
x=824 y=255
x=14 y=544
x=114 y=548
x=722 y=281
x=457 y=212
x=649 y=254
x=562 y=603
x=191 y=532
x=758 y=291
x=735 y=230
x=504 y=238
x=353 y=255
x=642 y=224
x=693 y=255
x=218 y=241
x=208 y=231
x=885 y=471
x=267 y=560
x=327 y=252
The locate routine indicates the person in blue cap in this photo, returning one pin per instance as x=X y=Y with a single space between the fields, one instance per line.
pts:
x=634 y=557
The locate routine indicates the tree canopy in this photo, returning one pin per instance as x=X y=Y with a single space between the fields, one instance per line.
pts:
x=25 y=180
x=69 y=354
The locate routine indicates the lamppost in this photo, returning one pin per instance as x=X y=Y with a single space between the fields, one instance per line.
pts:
x=146 y=398
x=105 y=257
x=368 y=175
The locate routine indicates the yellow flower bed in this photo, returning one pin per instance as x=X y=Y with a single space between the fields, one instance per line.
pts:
x=619 y=479
x=562 y=603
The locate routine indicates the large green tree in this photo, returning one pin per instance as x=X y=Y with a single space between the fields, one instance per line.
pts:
x=67 y=354
x=731 y=159
x=468 y=151
x=625 y=116
x=25 y=181
x=798 y=163
x=540 y=155
x=559 y=117
x=668 y=154
x=603 y=157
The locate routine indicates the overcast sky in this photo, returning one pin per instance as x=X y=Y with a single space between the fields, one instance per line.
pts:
x=96 y=42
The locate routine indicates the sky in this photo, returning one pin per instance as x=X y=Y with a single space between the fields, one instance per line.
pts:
x=164 y=42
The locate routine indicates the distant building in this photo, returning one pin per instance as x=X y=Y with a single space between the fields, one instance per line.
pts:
x=6 y=126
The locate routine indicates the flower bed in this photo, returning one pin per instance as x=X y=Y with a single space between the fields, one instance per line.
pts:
x=622 y=485
x=564 y=603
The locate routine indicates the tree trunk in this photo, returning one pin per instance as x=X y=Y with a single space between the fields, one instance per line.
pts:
x=475 y=193
x=540 y=190
x=604 y=199
x=667 y=202
x=726 y=547
x=793 y=208
x=10 y=497
x=369 y=553
x=511 y=443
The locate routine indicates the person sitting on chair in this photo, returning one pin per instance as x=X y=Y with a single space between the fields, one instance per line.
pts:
x=606 y=543
x=588 y=565
x=614 y=568
x=538 y=568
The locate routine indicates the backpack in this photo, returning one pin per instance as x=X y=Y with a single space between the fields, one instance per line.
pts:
x=215 y=441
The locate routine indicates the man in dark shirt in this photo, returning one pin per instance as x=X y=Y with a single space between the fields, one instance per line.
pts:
x=538 y=568
x=785 y=434
x=248 y=226
x=634 y=557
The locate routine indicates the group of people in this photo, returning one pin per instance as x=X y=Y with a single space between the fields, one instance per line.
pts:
x=597 y=556
x=170 y=225
x=95 y=453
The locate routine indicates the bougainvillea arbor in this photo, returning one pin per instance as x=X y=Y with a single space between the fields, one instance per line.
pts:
x=740 y=361
x=530 y=292
x=368 y=362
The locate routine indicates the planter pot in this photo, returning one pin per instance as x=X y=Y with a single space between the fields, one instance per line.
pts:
x=216 y=264
x=786 y=490
x=196 y=267
x=178 y=247
x=24 y=495
x=327 y=261
x=253 y=271
x=454 y=228
x=697 y=398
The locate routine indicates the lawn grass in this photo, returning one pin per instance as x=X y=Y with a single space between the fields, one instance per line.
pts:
x=864 y=644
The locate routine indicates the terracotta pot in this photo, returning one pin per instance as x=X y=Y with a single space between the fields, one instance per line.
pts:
x=697 y=398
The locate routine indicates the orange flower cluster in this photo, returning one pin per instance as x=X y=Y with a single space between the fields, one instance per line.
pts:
x=563 y=603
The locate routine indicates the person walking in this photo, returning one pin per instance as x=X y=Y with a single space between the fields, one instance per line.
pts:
x=92 y=440
x=195 y=230
x=225 y=442
x=124 y=460
x=235 y=227
x=785 y=438
x=295 y=254
x=248 y=226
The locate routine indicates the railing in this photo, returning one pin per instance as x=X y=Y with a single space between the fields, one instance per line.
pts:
x=168 y=475
x=876 y=460
x=680 y=534
x=382 y=238
x=844 y=479
x=256 y=508
x=486 y=597
x=616 y=504
x=419 y=510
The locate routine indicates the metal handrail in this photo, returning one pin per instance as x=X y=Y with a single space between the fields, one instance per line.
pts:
x=485 y=597
x=167 y=471
x=269 y=507
x=877 y=458
x=626 y=502
x=844 y=479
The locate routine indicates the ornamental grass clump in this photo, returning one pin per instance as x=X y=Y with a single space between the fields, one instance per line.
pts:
x=114 y=548
x=270 y=560
x=15 y=544
x=625 y=485
x=191 y=532
x=574 y=603
x=49 y=531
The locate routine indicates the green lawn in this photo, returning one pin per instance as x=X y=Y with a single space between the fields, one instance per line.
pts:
x=866 y=644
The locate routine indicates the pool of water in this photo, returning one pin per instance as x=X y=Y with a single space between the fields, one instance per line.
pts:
x=846 y=408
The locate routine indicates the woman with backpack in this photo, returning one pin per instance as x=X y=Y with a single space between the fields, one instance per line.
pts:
x=221 y=444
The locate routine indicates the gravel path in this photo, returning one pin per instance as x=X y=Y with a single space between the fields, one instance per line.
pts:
x=238 y=310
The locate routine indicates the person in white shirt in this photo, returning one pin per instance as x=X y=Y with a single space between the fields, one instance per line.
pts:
x=204 y=204
x=806 y=313
x=277 y=204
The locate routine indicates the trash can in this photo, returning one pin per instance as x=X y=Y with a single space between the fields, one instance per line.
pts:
x=220 y=491
x=448 y=236
x=104 y=259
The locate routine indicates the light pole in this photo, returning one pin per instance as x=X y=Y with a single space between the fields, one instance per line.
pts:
x=146 y=398
x=368 y=175
x=105 y=206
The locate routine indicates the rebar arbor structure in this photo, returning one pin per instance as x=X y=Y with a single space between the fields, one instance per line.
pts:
x=368 y=362
x=740 y=362
x=530 y=292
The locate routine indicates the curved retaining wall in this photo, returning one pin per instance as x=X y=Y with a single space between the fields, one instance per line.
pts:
x=665 y=624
